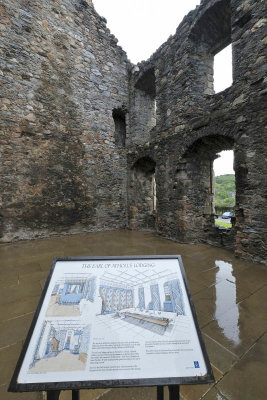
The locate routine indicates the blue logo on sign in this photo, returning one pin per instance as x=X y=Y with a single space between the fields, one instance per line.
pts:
x=196 y=364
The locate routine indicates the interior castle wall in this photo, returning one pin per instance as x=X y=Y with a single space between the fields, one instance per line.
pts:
x=62 y=74
x=193 y=124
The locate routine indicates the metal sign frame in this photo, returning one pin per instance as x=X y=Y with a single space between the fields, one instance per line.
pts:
x=96 y=384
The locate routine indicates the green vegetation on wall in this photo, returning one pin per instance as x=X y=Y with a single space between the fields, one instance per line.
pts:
x=225 y=190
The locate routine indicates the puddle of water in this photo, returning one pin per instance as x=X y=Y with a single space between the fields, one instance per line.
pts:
x=226 y=298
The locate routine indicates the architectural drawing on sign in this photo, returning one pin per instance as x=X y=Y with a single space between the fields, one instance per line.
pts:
x=71 y=294
x=61 y=346
x=147 y=299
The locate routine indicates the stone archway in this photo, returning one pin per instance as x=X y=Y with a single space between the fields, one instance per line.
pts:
x=197 y=163
x=190 y=212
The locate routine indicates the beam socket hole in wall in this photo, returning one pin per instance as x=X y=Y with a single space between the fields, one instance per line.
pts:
x=120 y=126
x=224 y=188
x=223 y=69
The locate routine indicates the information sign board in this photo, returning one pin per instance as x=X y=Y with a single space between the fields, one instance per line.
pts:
x=113 y=322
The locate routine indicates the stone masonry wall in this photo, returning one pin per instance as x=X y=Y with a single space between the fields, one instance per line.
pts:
x=62 y=74
x=193 y=125
x=65 y=83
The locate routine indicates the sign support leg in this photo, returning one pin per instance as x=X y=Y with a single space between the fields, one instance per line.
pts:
x=53 y=394
x=160 y=394
x=174 y=392
x=75 y=395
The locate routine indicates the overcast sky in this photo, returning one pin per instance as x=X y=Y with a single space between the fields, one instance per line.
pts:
x=141 y=26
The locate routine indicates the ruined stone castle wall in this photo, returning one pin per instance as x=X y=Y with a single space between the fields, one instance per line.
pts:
x=193 y=125
x=89 y=141
x=62 y=74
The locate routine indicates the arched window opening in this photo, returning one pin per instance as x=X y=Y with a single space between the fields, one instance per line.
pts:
x=194 y=192
x=120 y=126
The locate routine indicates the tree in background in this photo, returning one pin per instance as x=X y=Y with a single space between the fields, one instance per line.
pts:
x=225 y=190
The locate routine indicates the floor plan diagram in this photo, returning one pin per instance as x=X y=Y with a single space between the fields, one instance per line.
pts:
x=62 y=346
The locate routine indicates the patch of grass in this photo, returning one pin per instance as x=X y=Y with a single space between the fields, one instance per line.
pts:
x=225 y=224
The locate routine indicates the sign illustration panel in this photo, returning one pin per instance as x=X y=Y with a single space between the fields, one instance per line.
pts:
x=125 y=319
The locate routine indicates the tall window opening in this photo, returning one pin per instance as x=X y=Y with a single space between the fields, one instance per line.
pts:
x=142 y=194
x=212 y=37
x=223 y=69
x=154 y=194
x=146 y=85
x=144 y=106
x=225 y=189
x=120 y=126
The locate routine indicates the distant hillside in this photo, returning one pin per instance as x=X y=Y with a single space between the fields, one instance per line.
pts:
x=225 y=190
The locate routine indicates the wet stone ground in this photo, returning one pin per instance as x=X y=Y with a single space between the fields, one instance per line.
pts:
x=230 y=296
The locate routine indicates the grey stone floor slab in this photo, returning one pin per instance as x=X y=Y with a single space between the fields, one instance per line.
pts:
x=229 y=296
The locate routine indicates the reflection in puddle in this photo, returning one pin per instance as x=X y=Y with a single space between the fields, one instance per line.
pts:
x=226 y=299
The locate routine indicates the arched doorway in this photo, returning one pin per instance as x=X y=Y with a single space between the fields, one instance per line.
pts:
x=195 y=192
